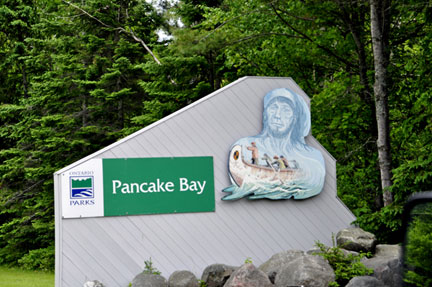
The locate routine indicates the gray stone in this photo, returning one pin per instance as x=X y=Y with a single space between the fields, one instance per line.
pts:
x=307 y=270
x=365 y=281
x=216 y=275
x=356 y=239
x=386 y=269
x=316 y=251
x=388 y=250
x=149 y=280
x=94 y=283
x=248 y=275
x=272 y=266
x=183 y=278
x=349 y=252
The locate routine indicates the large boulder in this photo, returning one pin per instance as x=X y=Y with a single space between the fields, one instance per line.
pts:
x=94 y=283
x=356 y=239
x=307 y=270
x=149 y=280
x=365 y=281
x=273 y=266
x=248 y=275
x=386 y=269
x=388 y=250
x=317 y=251
x=183 y=278
x=216 y=275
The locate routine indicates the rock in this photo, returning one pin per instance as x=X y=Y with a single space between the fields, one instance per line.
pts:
x=316 y=251
x=356 y=239
x=216 y=275
x=349 y=252
x=183 y=278
x=386 y=269
x=93 y=283
x=388 y=250
x=307 y=270
x=149 y=280
x=248 y=275
x=365 y=281
x=272 y=266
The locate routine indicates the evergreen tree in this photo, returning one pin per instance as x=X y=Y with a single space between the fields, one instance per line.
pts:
x=325 y=47
x=82 y=95
x=77 y=75
x=190 y=67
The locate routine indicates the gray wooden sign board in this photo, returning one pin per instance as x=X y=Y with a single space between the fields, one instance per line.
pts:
x=113 y=249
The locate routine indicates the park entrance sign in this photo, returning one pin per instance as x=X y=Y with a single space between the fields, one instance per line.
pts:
x=131 y=186
x=187 y=192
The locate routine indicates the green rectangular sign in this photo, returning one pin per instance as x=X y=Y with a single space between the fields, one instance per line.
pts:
x=158 y=185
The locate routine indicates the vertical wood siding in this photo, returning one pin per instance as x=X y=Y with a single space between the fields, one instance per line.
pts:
x=113 y=249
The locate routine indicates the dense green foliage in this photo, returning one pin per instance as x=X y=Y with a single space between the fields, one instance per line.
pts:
x=345 y=266
x=76 y=76
x=419 y=247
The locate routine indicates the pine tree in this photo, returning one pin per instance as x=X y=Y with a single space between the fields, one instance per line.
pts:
x=82 y=95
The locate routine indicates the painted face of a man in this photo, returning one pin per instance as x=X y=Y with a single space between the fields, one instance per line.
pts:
x=279 y=117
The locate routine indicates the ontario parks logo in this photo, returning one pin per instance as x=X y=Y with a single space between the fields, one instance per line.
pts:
x=81 y=187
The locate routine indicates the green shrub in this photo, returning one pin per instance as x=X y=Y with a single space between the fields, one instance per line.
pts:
x=39 y=259
x=345 y=266
x=418 y=250
x=149 y=269
x=385 y=224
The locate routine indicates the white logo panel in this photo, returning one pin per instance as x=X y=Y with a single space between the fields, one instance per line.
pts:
x=82 y=190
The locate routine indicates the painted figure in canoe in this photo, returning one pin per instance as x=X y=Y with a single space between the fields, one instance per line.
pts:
x=277 y=163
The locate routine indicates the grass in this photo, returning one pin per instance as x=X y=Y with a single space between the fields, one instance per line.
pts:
x=14 y=277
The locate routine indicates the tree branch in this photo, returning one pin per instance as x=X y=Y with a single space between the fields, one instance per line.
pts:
x=130 y=33
x=230 y=20
x=23 y=194
x=330 y=52
x=296 y=16
x=263 y=35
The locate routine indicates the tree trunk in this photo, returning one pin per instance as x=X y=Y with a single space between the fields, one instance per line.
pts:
x=380 y=26
x=84 y=111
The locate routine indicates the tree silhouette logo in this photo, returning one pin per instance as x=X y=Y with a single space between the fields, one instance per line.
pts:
x=81 y=187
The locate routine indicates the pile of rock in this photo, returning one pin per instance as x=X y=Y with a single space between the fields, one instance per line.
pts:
x=294 y=268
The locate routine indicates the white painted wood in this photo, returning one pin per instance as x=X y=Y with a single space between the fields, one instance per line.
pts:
x=113 y=249
x=58 y=228
x=73 y=277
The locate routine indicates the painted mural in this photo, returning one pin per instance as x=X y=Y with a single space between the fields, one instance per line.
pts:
x=277 y=163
